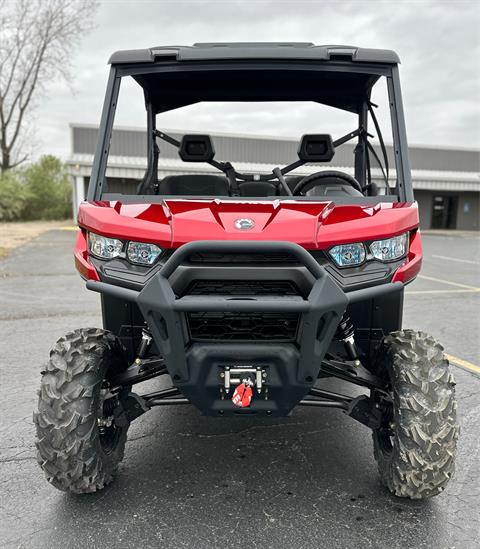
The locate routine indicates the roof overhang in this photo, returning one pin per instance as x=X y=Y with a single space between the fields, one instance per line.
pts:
x=212 y=51
x=167 y=90
x=177 y=76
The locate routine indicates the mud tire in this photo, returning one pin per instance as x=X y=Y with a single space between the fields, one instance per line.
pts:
x=69 y=445
x=417 y=458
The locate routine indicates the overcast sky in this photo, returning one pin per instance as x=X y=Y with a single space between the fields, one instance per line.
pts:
x=438 y=43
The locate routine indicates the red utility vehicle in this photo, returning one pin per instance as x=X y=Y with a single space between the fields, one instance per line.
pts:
x=249 y=289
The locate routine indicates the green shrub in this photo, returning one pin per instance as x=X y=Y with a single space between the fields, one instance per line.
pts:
x=12 y=197
x=48 y=190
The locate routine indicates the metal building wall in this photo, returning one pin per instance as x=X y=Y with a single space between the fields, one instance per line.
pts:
x=128 y=142
x=131 y=144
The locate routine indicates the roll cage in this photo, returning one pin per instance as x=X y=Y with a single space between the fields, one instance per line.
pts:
x=171 y=81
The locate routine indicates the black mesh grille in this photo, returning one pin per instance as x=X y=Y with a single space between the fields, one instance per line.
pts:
x=243 y=326
x=246 y=258
x=242 y=287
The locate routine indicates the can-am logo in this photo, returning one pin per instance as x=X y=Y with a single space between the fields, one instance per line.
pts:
x=244 y=224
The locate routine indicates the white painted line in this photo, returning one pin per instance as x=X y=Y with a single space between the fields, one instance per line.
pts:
x=8 y=294
x=408 y=292
x=449 y=282
x=463 y=363
x=456 y=259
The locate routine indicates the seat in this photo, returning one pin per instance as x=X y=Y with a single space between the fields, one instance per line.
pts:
x=194 y=185
x=257 y=189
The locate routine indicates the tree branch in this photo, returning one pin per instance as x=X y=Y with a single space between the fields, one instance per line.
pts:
x=23 y=159
x=36 y=39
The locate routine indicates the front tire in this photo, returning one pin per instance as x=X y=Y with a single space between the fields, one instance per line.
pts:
x=415 y=448
x=79 y=447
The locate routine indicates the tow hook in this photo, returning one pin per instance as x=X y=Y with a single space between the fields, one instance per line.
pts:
x=242 y=396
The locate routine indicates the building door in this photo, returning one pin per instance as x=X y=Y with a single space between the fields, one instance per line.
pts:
x=444 y=214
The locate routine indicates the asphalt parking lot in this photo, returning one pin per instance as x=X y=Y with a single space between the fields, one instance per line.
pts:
x=187 y=481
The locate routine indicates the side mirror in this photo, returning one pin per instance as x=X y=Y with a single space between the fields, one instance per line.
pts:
x=316 y=148
x=196 y=148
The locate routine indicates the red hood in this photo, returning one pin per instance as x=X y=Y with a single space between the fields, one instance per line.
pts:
x=310 y=224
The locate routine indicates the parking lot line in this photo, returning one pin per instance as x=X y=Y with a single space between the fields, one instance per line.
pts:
x=456 y=259
x=474 y=291
x=463 y=363
x=442 y=281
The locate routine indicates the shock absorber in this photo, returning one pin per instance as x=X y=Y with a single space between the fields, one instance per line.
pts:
x=345 y=332
x=109 y=406
x=145 y=343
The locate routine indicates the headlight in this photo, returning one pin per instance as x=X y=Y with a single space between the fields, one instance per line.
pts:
x=390 y=248
x=347 y=255
x=103 y=247
x=142 y=253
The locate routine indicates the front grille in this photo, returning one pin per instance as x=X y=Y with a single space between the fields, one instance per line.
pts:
x=242 y=287
x=234 y=326
x=243 y=258
x=243 y=326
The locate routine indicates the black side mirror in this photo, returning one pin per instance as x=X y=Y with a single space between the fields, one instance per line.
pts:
x=316 y=148
x=196 y=148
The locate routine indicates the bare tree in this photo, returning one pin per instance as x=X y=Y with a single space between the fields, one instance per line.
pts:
x=37 y=38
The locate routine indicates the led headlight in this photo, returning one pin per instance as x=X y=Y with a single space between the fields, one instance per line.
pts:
x=142 y=253
x=348 y=255
x=103 y=247
x=390 y=248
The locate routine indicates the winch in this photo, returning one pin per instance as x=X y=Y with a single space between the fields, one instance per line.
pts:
x=244 y=379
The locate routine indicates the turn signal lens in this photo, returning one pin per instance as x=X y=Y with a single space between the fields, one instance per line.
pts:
x=348 y=255
x=103 y=247
x=142 y=253
x=390 y=248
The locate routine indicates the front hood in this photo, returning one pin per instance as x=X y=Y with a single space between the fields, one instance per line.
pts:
x=313 y=225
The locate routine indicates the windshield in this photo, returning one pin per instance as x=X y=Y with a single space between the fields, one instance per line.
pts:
x=176 y=146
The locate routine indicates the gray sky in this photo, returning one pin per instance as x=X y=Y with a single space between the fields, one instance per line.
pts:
x=438 y=43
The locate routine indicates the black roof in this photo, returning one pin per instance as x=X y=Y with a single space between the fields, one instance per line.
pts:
x=168 y=90
x=210 y=51
x=338 y=76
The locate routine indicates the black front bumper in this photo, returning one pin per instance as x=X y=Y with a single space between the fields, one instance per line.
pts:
x=195 y=367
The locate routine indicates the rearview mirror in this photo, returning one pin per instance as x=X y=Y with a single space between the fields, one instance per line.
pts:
x=316 y=148
x=196 y=148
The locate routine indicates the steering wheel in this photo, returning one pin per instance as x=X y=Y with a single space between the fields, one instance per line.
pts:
x=314 y=180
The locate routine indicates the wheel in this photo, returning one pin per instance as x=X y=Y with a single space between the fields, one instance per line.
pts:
x=415 y=447
x=79 y=444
